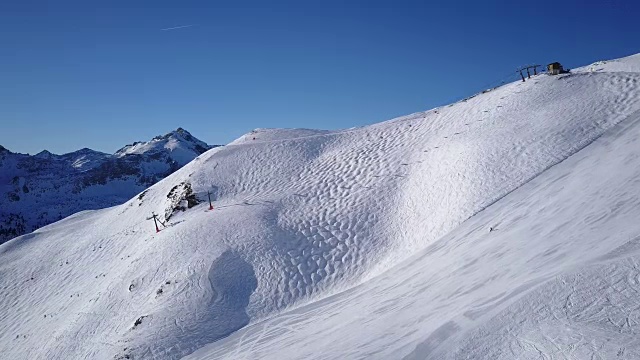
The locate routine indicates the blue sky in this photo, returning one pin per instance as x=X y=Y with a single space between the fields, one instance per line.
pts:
x=93 y=74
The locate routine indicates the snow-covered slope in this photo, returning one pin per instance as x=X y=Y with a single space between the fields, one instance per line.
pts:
x=372 y=242
x=40 y=189
x=179 y=145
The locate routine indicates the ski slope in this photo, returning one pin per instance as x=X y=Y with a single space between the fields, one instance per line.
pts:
x=371 y=242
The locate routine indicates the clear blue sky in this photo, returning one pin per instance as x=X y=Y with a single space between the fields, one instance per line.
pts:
x=102 y=74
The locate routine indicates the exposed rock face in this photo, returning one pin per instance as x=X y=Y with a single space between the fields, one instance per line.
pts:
x=181 y=198
x=40 y=189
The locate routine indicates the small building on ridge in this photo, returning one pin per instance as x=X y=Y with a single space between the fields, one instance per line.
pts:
x=555 y=68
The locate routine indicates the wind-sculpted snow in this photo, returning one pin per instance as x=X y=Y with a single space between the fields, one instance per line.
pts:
x=371 y=242
x=557 y=277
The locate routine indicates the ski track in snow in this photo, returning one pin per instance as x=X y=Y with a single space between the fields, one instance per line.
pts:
x=370 y=242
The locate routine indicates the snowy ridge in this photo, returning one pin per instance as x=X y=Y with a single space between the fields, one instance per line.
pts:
x=371 y=242
x=40 y=189
x=181 y=146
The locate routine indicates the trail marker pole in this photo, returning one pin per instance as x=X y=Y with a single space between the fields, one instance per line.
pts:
x=156 y=221
x=209 y=195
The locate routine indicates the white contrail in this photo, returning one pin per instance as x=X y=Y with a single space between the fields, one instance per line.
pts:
x=177 y=27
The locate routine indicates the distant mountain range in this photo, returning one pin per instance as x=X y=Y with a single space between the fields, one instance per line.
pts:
x=36 y=190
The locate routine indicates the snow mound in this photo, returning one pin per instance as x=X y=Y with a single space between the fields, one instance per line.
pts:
x=628 y=64
x=262 y=135
x=404 y=238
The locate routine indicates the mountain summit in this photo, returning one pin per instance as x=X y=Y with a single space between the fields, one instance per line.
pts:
x=37 y=190
x=181 y=146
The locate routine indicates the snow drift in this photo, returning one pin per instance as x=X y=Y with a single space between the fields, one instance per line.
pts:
x=502 y=226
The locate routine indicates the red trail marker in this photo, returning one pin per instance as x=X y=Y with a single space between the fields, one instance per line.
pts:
x=156 y=221
x=210 y=205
